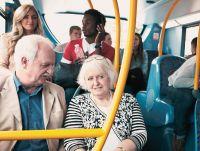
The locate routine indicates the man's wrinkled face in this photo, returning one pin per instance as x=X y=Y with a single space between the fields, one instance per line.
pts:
x=42 y=67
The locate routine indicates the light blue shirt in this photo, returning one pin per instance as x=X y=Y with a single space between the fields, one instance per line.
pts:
x=32 y=117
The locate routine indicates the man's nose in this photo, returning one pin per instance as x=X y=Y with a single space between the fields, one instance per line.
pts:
x=50 y=70
x=83 y=27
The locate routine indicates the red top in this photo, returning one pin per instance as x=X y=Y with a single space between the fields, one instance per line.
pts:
x=77 y=48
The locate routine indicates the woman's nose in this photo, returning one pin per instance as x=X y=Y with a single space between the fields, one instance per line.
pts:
x=96 y=81
x=30 y=20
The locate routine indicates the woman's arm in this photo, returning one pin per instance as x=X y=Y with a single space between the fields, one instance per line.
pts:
x=138 y=131
x=81 y=149
x=145 y=63
x=74 y=120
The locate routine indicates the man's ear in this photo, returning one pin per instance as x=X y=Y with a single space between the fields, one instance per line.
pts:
x=24 y=62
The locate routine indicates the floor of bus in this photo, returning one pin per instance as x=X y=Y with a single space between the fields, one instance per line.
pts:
x=160 y=139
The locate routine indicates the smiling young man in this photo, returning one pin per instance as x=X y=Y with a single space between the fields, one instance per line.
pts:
x=93 y=29
x=28 y=100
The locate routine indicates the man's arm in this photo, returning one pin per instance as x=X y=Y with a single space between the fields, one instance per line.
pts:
x=64 y=107
x=108 y=51
x=184 y=76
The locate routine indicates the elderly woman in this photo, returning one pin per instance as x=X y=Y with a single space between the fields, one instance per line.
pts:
x=89 y=110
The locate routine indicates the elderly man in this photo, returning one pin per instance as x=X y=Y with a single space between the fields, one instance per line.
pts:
x=27 y=100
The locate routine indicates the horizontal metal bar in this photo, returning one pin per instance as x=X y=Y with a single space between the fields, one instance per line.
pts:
x=82 y=13
x=50 y=134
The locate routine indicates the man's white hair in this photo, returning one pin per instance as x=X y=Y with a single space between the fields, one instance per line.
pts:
x=27 y=47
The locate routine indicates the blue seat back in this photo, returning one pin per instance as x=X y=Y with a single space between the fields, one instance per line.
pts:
x=152 y=54
x=156 y=112
x=161 y=68
x=197 y=125
x=58 y=56
x=153 y=104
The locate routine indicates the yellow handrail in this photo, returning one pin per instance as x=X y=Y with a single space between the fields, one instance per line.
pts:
x=118 y=31
x=160 y=45
x=122 y=76
x=79 y=133
x=50 y=134
x=90 y=3
x=196 y=76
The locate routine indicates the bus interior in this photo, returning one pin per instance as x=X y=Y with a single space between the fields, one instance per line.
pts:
x=181 y=27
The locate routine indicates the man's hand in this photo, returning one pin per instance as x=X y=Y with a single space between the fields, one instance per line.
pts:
x=101 y=34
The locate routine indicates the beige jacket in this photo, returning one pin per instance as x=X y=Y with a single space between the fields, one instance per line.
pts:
x=54 y=110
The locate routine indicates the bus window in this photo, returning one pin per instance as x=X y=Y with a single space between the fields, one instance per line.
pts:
x=2 y=23
x=2 y=20
x=191 y=32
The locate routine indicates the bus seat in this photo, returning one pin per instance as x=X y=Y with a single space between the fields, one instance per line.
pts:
x=155 y=110
x=152 y=54
x=73 y=92
x=79 y=91
x=197 y=125
x=69 y=92
x=58 y=56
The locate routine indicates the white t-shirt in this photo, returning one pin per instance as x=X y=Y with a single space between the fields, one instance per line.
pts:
x=184 y=76
x=112 y=137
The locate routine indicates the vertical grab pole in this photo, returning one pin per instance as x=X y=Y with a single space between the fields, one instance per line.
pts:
x=196 y=76
x=160 y=46
x=118 y=31
x=90 y=3
x=196 y=92
x=122 y=76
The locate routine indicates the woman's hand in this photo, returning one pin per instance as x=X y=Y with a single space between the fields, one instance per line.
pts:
x=126 y=145
x=119 y=149
x=80 y=149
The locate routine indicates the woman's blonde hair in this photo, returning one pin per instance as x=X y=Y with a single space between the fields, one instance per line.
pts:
x=97 y=62
x=17 y=30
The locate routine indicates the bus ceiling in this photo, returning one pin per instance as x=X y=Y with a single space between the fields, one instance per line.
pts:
x=184 y=8
x=147 y=12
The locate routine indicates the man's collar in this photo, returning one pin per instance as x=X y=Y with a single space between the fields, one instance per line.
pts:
x=90 y=48
x=18 y=84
